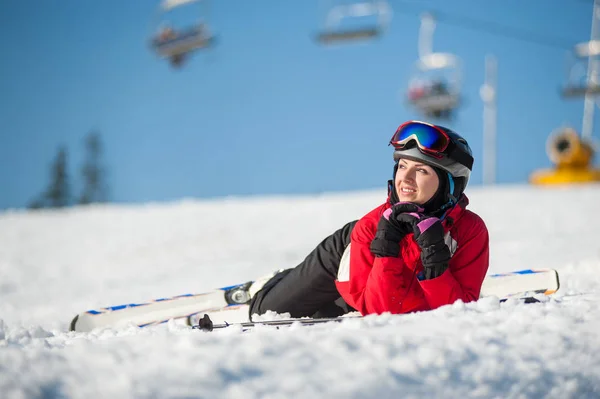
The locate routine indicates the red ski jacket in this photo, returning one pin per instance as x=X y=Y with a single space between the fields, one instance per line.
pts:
x=377 y=285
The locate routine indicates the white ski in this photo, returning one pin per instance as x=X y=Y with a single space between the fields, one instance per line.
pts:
x=230 y=303
x=521 y=283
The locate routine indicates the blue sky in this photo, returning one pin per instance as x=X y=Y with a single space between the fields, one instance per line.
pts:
x=268 y=110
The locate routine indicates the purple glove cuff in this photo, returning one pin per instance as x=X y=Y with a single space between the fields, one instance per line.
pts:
x=427 y=223
x=387 y=213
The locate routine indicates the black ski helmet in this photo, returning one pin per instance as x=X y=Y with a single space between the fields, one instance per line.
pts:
x=456 y=160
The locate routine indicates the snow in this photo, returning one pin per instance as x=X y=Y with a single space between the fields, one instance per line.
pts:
x=55 y=264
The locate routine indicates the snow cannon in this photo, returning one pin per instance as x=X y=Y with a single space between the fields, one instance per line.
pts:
x=572 y=157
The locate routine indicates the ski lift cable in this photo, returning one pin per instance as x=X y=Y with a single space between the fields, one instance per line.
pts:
x=494 y=28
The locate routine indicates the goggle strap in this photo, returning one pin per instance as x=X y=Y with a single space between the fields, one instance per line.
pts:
x=452 y=152
x=459 y=156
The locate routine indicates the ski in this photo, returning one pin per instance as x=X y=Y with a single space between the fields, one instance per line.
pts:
x=161 y=310
x=206 y=324
x=520 y=282
x=231 y=302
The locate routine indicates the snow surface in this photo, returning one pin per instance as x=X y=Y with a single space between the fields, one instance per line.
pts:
x=55 y=264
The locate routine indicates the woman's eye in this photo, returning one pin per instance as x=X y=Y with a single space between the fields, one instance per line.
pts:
x=422 y=171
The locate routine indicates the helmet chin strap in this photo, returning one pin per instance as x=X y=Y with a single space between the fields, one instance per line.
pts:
x=452 y=200
x=392 y=194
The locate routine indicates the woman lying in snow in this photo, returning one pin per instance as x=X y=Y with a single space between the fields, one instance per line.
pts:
x=419 y=250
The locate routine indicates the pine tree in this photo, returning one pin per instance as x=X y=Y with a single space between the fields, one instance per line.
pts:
x=58 y=193
x=94 y=187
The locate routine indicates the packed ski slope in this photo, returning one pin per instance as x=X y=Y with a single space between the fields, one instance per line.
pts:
x=55 y=264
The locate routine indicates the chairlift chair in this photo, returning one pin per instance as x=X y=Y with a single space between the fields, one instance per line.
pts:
x=190 y=39
x=176 y=43
x=333 y=33
x=581 y=90
x=334 y=37
x=437 y=106
x=584 y=55
x=435 y=100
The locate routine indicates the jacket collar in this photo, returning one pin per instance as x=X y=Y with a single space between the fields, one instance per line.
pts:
x=456 y=211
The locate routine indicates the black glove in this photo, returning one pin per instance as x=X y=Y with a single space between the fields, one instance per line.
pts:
x=390 y=230
x=429 y=234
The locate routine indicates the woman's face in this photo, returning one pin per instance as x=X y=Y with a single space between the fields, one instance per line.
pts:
x=415 y=182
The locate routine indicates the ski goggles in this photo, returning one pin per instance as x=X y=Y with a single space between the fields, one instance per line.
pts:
x=430 y=139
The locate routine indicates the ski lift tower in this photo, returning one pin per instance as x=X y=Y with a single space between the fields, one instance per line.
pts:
x=342 y=13
x=582 y=83
x=488 y=96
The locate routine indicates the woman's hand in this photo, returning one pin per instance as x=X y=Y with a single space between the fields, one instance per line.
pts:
x=391 y=230
x=429 y=235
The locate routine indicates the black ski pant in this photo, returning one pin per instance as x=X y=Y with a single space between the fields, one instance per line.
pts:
x=309 y=288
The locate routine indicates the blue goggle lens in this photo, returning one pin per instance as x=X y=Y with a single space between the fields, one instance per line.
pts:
x=427 y=137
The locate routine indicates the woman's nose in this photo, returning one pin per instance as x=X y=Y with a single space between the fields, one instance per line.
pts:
x=408 y=175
